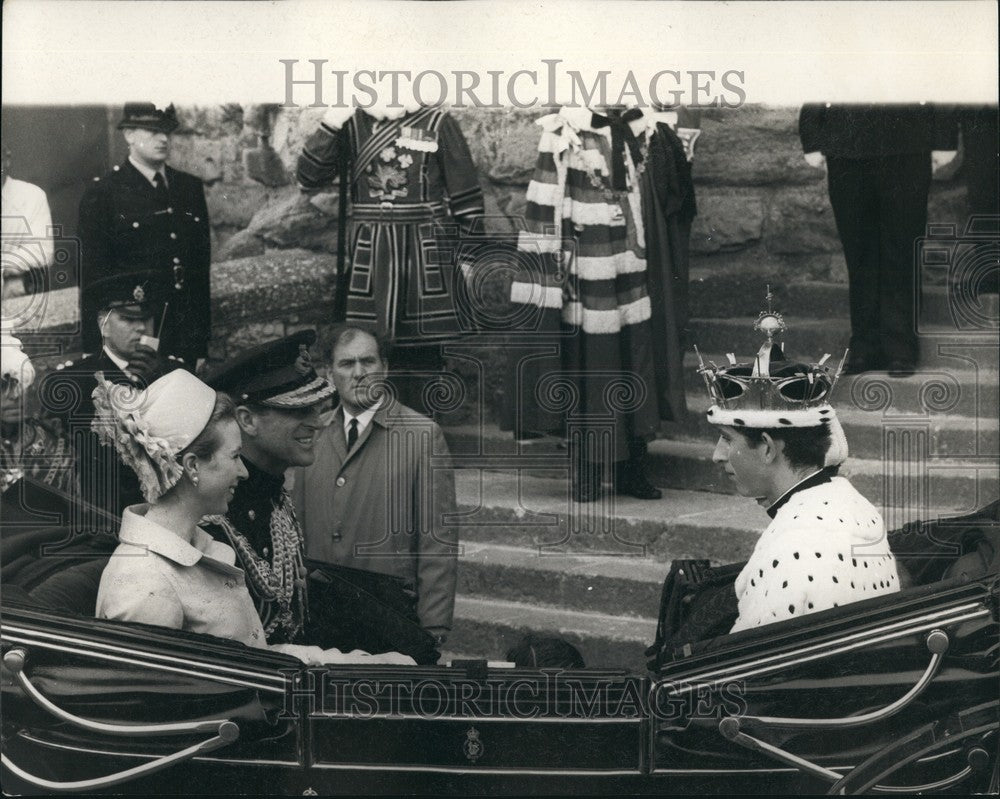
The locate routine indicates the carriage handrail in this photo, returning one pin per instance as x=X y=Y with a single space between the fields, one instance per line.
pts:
x=937 y=643
x=14 y=660
x=224 y=737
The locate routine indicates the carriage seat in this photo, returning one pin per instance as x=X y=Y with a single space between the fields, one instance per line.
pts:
x=72 y=589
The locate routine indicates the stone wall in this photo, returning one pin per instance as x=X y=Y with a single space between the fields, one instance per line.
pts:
x=762 y=209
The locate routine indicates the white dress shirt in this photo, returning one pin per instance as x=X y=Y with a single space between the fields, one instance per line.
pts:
x=364 y=418
x=121 y=363
x=149 y=173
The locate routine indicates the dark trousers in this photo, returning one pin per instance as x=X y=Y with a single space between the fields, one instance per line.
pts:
x=880 y=205
x=415 y=371
x=354 y=609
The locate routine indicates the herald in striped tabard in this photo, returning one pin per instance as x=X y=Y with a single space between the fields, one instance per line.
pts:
x=617 y=186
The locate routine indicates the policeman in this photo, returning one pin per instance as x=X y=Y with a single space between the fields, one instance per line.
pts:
x=127 y=306
x=145 y=215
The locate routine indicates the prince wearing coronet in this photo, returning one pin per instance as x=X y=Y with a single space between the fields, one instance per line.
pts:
x=781 y=443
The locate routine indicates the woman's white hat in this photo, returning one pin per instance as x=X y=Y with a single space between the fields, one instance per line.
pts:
x=150 y=427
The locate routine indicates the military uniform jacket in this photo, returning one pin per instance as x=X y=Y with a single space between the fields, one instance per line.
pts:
x=382 y=507
x=259 y=500
x=126 y=226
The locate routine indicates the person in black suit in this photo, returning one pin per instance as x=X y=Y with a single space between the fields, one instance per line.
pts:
x=145 y=215
x=126 y=307
x=879 y=164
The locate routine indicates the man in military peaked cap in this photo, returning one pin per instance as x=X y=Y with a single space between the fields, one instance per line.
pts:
x=279 y=396
x=146 y=215
x=126 y=309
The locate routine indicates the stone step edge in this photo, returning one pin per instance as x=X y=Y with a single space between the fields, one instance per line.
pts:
x=697 y=449
x=556 y=493
x=642 y=570
x=858 y=417
x=562 y=621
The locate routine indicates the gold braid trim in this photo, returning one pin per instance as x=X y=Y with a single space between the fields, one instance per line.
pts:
x=275 y=581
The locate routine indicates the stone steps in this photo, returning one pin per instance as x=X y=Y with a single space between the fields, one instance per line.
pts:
x=910 y=480
x=625 y=585
x=535 y=561
x=505 y=508
x=487 y=627
x=950 y=435
x=712 y=294
x=938 y=482
x=809 y=339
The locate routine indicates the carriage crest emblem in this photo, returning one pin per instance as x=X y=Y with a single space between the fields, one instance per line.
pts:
x=473 y=745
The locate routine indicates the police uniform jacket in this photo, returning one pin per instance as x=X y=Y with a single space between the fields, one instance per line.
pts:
x=380 y=507
x=125 y=225
x=66 y=392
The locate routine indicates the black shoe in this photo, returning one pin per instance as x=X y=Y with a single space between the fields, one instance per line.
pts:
x=642 y=490
x=899 y=367
x=636 y=485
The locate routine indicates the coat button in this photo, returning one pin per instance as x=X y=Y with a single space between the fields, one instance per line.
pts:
x=341 y=481
x=135 y=224
x=337 y=536
x=170 y=210
x=173 y=235
x=177 y=260
x=251 y=515
x=197 y=219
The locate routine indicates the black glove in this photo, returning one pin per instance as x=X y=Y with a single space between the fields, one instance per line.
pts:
x=147 y=364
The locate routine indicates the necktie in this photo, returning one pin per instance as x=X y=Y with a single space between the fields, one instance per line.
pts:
x=621 y=136
x=161 y=186
x=352 y=434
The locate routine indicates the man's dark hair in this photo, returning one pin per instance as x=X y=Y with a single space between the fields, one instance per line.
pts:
x=347 y=333
x=804 y=446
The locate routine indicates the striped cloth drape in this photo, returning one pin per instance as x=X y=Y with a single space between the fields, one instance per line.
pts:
x=594 y=261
